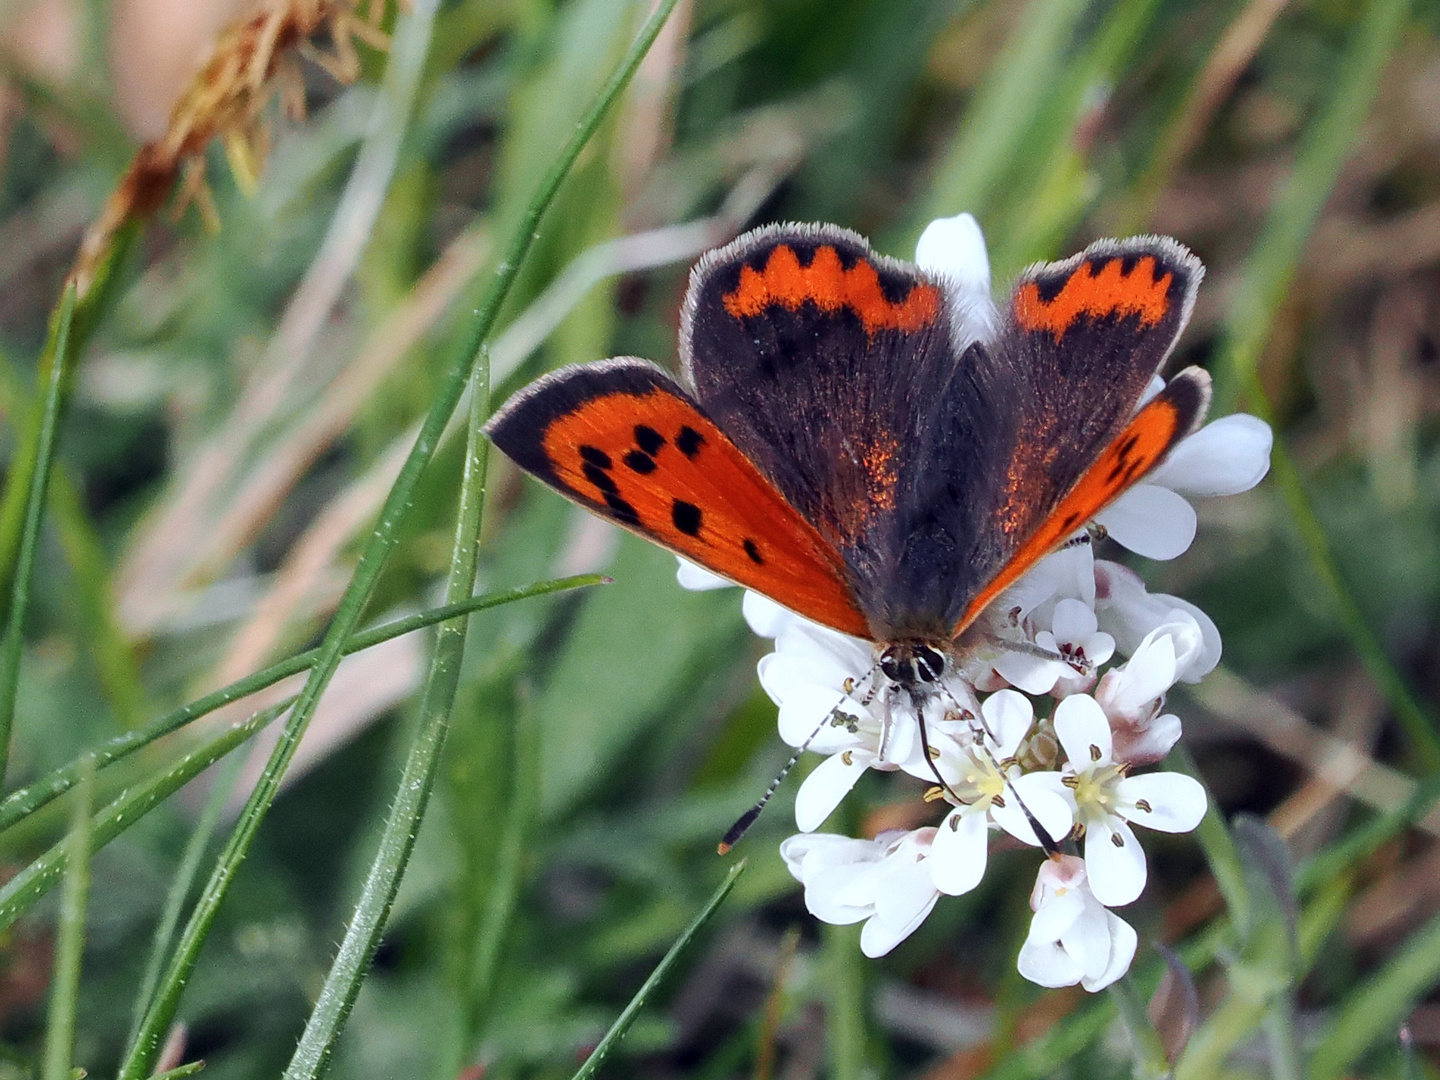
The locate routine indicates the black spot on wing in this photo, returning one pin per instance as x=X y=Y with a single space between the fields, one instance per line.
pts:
x=648 y=439
x=600 y=478
x=622 y=510
x=689 y=441
x=593 y=455
x=640 y=462
x=753 y=550
x=686 y=517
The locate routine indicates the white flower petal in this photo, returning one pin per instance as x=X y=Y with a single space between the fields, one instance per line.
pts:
x=1152 y=390
x=764 y=616
x=907 y=897
x=1150 y=520
x=1099 y=648
x=825 y=898
x=1083 y=731
x=958 y=855
x=1047 y=964
x=1087 y=939
x=805 y=713
x=826 y=785
x=1224 y=457
x=1073 y=621
x=1033 y=674
x=1008 y=716
x=1049 y=807
x=1056 y=915
x=1123 y=941
x=696 y=578
x=1130 y=613
x=1177 y=802
x=953 y=249
x=1116 y=872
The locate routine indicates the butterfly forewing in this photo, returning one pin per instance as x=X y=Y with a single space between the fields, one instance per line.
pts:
x=623 y=440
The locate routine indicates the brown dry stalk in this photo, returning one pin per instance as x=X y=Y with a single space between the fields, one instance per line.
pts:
x=251 y=61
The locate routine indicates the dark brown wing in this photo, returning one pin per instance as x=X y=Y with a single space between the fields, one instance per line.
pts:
x=826 y=364
x=1080 y=342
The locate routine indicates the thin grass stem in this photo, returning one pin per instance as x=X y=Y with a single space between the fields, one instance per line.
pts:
x=33 y=882
x=25 y=801
x=70 y=935
x=181 y=885
x=407 y=808
x=682 y=943
x=377 y=547
x=46 y=435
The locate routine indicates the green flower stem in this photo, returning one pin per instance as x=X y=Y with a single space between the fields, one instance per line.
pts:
x=1216 y=841
x=362 y=936
x=70 y=937
x=845 y=1002
x=377 y=548
x=19 y=804
x=1145 y=1045
x=39 y=480
x=631 y=1010
x=40 y=876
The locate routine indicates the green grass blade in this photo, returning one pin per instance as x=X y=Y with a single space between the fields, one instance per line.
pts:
x=39 y=480
x=402 y=825
x=119 y=814
x=1265 y=282
x=506 y=877
x=25 y=801
x=70 y=937
x=1327 y=143
x=631 y=1010
x=181 y=1072
x=378 y=546
x=181 y=885
x=1020 y=82
x=1375 y=1008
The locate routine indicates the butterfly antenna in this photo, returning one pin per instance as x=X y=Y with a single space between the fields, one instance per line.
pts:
x=742 y=824
x=980 y=730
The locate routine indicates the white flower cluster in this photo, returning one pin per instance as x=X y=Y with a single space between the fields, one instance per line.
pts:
x=1072 y=770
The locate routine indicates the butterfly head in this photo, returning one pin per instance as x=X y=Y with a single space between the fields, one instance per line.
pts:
x=912 y=665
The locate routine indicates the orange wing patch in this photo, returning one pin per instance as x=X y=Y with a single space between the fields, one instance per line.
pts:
x=1096 y=293
x=650 y=461
x=826 y=282
x=1139 y=448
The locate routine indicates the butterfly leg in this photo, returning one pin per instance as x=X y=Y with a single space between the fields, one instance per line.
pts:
x=1077 y=661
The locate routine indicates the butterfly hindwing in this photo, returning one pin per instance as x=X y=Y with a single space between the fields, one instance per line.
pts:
x=623 y=440
x=824 y=363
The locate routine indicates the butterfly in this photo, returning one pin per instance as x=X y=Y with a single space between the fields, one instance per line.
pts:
x=834 y=444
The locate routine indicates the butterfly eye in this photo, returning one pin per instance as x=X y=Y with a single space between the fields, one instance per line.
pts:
x=929 y=663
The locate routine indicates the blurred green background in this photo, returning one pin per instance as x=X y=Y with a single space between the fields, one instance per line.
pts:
x=246 y=398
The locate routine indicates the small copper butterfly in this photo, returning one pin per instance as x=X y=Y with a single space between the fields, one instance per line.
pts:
x=829 y=446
